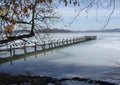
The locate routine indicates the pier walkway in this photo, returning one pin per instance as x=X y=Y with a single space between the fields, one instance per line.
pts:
x=14 y=53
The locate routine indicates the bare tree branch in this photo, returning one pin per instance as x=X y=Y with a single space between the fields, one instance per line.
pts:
x=86 y=7
x=110 y=15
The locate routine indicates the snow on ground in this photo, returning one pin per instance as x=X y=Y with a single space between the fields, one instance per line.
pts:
x=40 y=39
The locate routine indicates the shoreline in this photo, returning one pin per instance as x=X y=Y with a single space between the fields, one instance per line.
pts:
x=9 y=79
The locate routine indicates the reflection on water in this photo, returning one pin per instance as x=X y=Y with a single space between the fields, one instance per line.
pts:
x=94 y=59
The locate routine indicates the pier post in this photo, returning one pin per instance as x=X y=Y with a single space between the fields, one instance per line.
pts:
x=79 y=39
x=24 y=52
x=62 y=41
x=70 y=41
x=35 y=49
x=51 y=44
x=76 y=39
x=67 y=41
x=44 y=47
x=10 y=54
x=13 y=50
x=10 y=50
x=57 y=43
x=73 y=40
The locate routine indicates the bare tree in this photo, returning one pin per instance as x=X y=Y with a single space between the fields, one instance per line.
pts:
x=33 y=14
x=86 y=5
x=25 y=14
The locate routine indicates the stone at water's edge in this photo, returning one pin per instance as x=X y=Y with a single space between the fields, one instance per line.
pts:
x=8 y=79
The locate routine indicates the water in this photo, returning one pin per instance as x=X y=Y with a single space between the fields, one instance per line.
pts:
x=97 y=59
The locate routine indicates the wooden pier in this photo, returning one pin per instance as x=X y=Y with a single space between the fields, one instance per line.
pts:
x=27 y=50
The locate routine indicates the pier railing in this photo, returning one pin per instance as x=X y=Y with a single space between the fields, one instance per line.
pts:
x=26 y=50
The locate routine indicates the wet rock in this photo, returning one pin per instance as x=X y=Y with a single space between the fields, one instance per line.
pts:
x=7 y=79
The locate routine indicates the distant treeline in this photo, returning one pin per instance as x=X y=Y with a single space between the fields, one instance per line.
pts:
x=55 y=31
x=105 y=30
x=45 y=31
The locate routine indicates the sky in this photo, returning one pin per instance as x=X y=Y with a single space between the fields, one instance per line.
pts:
x=90 y=21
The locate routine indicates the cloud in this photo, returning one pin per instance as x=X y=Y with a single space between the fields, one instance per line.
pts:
x=83 y=23
x=69 y=12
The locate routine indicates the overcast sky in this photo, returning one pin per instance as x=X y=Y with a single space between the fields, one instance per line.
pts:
x=89 y=21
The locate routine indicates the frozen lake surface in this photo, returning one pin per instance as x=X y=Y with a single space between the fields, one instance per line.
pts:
x=97 y=59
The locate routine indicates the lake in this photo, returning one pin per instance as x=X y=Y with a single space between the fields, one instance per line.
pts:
x=97 y=59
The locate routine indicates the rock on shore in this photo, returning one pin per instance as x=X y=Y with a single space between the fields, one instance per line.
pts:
x=9 y=79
